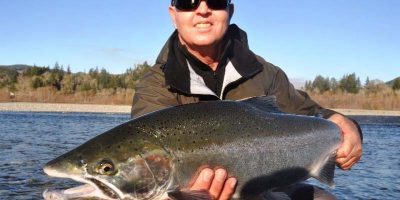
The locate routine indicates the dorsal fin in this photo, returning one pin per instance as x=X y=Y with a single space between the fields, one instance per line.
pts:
x=264 y=103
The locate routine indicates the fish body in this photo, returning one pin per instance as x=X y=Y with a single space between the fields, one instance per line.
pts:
x=157 y=154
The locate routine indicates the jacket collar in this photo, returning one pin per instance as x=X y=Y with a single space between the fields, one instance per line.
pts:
x=242 y=64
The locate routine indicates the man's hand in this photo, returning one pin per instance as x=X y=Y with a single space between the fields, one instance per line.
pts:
x=349 y=152
x=217 y=182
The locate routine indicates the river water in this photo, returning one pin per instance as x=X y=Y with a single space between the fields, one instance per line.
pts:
x=29 y=140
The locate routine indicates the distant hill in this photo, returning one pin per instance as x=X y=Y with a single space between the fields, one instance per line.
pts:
x=298 y=83
x=15 y=67
x=390 y=83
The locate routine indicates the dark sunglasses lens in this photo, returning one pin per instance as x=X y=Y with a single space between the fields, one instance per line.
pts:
x=217 y=4
x=186 y=5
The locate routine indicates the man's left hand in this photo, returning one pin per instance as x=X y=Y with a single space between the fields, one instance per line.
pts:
x=350 y=150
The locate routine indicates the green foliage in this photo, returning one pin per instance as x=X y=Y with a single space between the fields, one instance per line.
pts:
x=69 y=84
x=8 y=77
x=35 y=71
x=308 y=86
x=367 y=81
x=56 y=76
x=84 y=87
x=93 y=73
x=133 y=75
x=396 y=84
x=69 y=70
x=105 y=80
x=350 y=83
x=321 y=84
x=37 y=82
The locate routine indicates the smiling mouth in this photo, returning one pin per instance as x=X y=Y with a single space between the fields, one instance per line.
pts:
x=203 y=25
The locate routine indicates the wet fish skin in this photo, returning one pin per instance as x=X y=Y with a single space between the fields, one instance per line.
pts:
x=159 y=152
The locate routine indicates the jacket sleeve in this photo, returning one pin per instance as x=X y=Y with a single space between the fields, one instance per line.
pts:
x=298 y=102
x=295 y=101
x=152 y=94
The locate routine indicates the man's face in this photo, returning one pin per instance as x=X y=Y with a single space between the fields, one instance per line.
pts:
x=201 y=27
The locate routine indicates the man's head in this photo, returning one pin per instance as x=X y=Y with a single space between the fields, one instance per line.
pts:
x=201 y=23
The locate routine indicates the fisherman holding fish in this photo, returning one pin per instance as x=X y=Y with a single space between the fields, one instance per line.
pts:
x=207 y=58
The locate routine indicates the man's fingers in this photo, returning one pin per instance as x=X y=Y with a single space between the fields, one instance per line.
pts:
x=349 y=163
x=346 y=158
x=229 y=189
x=218 y=182
x=204 y=180
x=342 y=157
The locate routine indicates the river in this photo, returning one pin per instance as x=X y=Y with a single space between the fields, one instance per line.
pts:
x=30 y=139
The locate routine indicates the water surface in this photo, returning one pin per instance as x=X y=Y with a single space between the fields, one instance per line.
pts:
x=29 y=140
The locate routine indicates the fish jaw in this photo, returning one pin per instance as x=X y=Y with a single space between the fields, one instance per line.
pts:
x=93 y=187
x=82 y=191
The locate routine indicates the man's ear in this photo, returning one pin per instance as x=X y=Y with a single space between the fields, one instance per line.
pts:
x=231 y=10
x=172 y=11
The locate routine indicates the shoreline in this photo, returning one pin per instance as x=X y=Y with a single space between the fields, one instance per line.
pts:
x=63 y=107
x=126 y=109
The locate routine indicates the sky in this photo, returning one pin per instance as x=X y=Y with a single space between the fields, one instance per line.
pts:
x=305 y=38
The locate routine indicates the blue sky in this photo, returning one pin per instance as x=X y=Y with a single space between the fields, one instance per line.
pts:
x=303 y=37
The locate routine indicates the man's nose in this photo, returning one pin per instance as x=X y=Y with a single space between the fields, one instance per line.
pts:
x=203 y=8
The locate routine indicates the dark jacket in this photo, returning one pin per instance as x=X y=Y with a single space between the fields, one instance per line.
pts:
x=171 y=83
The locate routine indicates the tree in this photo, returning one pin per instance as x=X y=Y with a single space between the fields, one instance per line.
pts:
x=350 y=83
x=333 y=84
x=396 y=84
x=367 y=81
x=308 y=86
x=68 y=69
x=133 y=75
x=35 y=71
x=104 y=79
x=321 y=84
x=93 y=73
x=37 y=82
x=68 y=84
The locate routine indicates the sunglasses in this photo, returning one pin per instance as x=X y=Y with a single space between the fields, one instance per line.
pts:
x=190 y=5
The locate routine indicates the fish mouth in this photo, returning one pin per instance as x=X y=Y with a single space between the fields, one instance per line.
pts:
x=93 y=187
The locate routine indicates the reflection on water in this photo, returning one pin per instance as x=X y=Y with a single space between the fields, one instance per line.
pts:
x=29 y=140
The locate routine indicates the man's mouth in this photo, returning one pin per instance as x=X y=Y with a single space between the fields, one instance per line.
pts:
x=203 y=25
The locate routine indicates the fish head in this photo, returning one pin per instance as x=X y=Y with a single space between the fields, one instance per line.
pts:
x=114 y=170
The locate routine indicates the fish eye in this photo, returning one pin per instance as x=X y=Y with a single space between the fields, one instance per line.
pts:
x=106 y=167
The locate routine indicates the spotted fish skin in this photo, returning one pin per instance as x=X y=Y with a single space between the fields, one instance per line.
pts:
x=157 y=153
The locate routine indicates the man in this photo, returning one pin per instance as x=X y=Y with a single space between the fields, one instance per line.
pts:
x=206 y=58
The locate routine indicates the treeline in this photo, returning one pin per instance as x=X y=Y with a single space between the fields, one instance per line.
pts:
x=349 y=83
x=65 y=82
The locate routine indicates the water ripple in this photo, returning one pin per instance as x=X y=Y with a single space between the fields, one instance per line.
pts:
x=29 y=140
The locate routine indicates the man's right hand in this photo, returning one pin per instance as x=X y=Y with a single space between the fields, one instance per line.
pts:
x=217 y=182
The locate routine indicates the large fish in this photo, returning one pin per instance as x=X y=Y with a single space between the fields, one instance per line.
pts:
x=154 y=156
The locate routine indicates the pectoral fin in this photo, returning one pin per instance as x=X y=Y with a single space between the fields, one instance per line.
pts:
x=326 y=172
x=190 y=195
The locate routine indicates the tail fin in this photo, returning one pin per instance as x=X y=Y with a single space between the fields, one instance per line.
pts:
x=325 y=171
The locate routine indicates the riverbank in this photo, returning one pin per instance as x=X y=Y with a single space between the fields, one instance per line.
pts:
x=97 y=108
x=63 y=107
